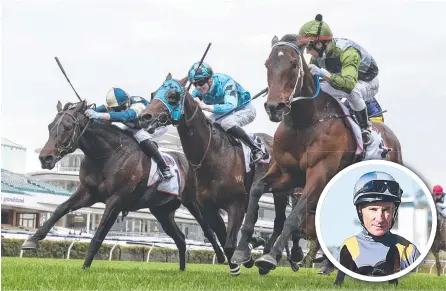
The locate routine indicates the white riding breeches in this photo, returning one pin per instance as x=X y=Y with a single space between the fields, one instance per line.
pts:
x=363 y=91
x=239 y=117
x=140 y=134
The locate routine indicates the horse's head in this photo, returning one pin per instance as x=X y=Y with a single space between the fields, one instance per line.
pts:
x=285 y=72
x=166 y=104
x=64 y=133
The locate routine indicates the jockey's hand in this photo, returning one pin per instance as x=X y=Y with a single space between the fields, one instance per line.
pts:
x=316 y=71
x=202 y=105
x=92 y=114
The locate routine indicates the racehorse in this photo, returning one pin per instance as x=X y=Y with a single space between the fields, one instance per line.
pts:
x=116 y=172
x=312 y=143
x=439 y=241
x=217 y=158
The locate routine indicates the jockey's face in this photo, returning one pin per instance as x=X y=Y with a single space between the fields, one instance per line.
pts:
x=203 y=85
x=377 y=217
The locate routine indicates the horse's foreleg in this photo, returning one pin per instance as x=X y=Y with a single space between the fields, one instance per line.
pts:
x=194 y=209
x=437 y=262
x=235 y=218
x=165 y=215
x=280 y=204
x=111 y=213
x=79 y=199
x=242 y=253
x=316 y=181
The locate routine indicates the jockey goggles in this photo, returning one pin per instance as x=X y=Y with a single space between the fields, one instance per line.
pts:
x=381 y=187
x=200 y=83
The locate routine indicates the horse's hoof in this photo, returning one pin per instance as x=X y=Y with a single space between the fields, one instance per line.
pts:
x=221 y=259
x=85 y=267
x=266 y=262
x=263 y=272
x=241 y=256
x=235 y=271
x=249 y=264
x=297 y=254
x=257 y=242
x=30 y=244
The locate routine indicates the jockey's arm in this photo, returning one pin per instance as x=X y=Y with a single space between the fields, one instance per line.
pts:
x=129 y=114
x=347 y=79
x=441 y=207
x=230 y=99
x=101 y=108
x=313 y=61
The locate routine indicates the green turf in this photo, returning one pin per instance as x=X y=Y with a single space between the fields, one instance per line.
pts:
x=57 y=274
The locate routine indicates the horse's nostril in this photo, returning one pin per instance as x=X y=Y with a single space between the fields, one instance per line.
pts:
x=147 y=117
x=46 y=159
x=281 y=106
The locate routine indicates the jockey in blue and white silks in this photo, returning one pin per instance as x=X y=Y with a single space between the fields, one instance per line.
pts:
x=123 y=109
x=219 y=93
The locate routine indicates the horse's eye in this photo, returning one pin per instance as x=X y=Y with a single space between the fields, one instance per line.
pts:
x=294 y=63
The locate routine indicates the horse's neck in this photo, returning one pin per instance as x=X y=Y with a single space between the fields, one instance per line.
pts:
x=306 y=113
x=194 y=131
x=100 y=140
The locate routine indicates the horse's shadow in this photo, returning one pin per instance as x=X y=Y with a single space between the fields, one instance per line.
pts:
x=384 y=268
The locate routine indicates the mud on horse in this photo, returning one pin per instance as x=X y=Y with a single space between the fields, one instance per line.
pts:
x=218 y=162
x=311 y=144
x=114 y=171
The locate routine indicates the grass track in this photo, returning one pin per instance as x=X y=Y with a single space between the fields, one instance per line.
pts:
x=57 y=274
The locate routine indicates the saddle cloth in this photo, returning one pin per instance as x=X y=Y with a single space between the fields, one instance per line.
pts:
x=247 y=153
x=171 y=186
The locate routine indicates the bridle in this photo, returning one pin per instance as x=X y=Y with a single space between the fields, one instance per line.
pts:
x=300 y=74
x=74 y=141
x=175 y=121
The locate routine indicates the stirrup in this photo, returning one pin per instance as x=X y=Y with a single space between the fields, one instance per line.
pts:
x=257 y=155
x=166 y=173
x=367 y=138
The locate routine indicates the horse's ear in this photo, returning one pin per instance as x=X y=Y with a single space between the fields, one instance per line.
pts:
x=274 y=40
x=169 y=76
x=183 y=81
x=59 y=106
x=81 y=105
x=152 y=95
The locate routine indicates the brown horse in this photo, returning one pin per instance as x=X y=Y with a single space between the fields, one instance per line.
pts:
x=439 y=241
x=311 y=144
x=115 y=171
x=218 y=161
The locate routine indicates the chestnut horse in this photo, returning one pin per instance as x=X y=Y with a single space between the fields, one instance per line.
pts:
x=312 y=143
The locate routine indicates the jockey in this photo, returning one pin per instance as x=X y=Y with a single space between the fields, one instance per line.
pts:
x=348 y=69
x=219 y=93
x=440 y=200
x=124 y=109
x=377 y=197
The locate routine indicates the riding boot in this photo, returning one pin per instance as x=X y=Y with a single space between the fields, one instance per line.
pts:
x=364 y=124
x=151 y=150
x=239 y=133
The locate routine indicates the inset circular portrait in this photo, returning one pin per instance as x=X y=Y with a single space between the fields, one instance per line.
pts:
x=376 y=221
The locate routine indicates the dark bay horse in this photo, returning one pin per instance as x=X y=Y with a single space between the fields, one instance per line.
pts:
x=218 y=163
x=439 y=241
x=114 y=171
x=311 y=144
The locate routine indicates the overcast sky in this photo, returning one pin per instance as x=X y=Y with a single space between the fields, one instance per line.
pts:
x=134 y=44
